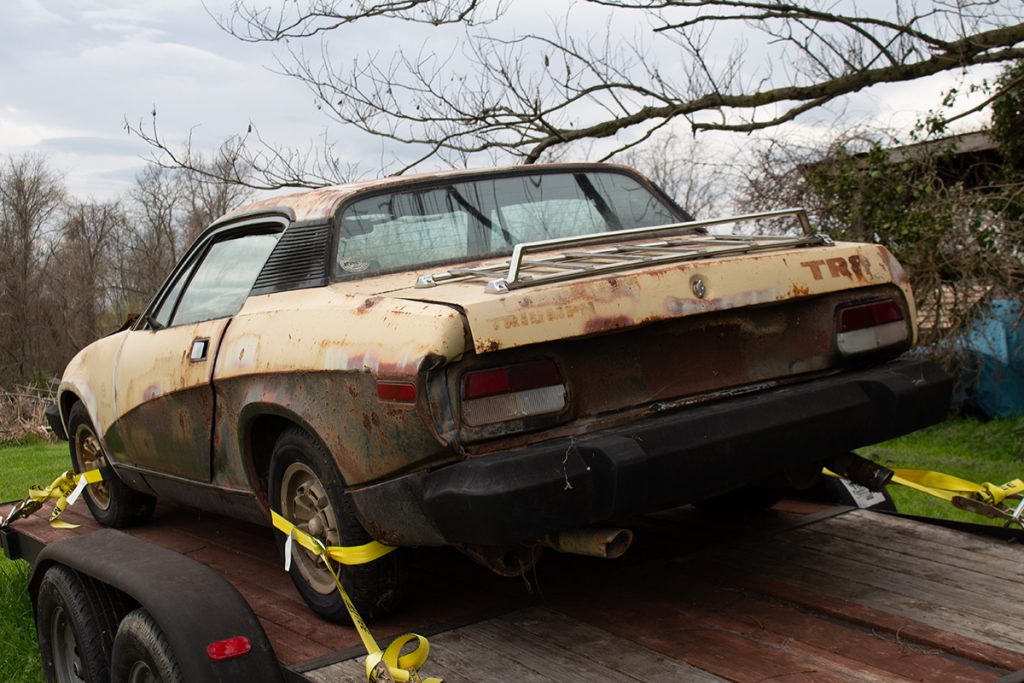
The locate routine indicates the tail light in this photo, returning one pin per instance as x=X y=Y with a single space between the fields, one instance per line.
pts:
x=867 y=327
x=512 y=392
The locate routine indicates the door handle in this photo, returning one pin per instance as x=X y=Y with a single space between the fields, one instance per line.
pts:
x=199 y=349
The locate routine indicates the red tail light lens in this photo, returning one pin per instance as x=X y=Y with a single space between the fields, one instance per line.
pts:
x=521 y=377
x=511 y=392
x=867 y=327
x=869 y=315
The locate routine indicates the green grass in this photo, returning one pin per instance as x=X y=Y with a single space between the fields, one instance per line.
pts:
x=22 y=466
x=33 y=463
x=19 y=656
x=971 y=449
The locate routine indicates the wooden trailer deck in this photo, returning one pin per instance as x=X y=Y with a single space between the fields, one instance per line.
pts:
x=804 y=593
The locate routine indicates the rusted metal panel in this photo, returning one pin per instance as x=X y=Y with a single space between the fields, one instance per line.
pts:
x=595 y=305
x=319 y=363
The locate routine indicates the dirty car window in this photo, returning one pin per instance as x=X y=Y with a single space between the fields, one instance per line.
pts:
x=467 y=220
x=223 y=279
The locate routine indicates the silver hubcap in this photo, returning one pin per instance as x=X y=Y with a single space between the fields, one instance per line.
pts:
x=305 y=504
x=66 y=661
x=89 y=456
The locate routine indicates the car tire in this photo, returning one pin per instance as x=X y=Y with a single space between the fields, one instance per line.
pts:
x=141 y=652
x=306 y=489
x=111 y=502
x=76 y=619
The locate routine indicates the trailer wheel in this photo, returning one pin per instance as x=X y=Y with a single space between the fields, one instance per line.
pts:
x=141 y=653
x=112 y=503
x=306 y=489
x=73 y=630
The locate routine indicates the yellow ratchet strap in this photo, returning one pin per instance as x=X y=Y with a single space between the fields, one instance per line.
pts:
x=381 y=666
x=65 y=489
x=985 y=499
x=948 y=487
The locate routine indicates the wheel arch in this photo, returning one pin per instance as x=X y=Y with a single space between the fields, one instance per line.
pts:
x=66 y=401
x=260 y=425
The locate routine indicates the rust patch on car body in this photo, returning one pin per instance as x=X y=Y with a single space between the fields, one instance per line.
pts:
x=596 y=305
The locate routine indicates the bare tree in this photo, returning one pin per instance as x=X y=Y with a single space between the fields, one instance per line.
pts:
x=207 y=197
x=81 y=281
x=522 y=91
x=31 y=195
x=683 y=168
x=152 y=242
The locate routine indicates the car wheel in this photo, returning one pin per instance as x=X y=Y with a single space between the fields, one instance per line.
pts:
x=141 y=653
x=74 y=627
x=307 y=490
x=111 y=502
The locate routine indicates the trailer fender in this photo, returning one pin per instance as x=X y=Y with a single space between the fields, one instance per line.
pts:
x=193 y=605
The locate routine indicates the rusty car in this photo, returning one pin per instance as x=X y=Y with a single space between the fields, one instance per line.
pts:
x=495 y=360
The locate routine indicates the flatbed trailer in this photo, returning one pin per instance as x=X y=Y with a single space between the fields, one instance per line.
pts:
x=805 y=592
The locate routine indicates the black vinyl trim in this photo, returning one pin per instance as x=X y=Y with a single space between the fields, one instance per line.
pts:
x=298 y=261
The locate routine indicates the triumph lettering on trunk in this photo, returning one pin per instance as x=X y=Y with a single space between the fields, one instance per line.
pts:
x=852 y=267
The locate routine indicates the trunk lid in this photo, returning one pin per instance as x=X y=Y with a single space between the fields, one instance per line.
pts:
x=634 y=294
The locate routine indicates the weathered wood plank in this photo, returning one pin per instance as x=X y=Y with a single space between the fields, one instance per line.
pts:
x=985 y=585
x=536 y=644
x=683 y=604
x=888 y=572
x=930 y=543
x=588 y=643
x=864 y=585
x=902 y=628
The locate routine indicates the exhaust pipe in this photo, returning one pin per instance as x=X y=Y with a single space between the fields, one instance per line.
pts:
x=603 y=542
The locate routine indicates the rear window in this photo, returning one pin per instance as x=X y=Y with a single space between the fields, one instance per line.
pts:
x=482 y=218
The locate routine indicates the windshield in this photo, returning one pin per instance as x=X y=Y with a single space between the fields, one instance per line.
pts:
x=482 y=218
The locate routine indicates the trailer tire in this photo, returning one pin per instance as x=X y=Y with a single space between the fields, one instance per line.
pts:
x=111 y=502
x=141 y=652
x=303 y=476
x=74 y=629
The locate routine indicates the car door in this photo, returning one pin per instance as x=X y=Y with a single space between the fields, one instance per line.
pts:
x=162 y=380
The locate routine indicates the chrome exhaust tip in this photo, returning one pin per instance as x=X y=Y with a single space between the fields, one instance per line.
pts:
x=604 y=542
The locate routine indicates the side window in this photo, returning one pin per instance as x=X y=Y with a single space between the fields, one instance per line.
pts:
x=221 y=282
x=162 y=316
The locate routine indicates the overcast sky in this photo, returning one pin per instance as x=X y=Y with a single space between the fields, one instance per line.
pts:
x=73 y=70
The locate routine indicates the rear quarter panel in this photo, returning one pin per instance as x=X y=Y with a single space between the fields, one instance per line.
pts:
x=315 y=356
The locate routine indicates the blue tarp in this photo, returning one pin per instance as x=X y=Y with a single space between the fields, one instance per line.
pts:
x=992 y=354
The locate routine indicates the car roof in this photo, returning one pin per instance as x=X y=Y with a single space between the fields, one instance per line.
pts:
x=322 y=203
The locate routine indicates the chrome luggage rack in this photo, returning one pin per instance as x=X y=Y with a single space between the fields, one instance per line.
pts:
x=694 y=243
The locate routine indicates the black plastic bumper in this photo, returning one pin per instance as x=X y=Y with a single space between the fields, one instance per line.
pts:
x=52 y=414
x=655 y=463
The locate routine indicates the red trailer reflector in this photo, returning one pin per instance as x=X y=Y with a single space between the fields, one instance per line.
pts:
x=228 y=648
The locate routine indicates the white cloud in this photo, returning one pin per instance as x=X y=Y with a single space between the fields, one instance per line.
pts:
x=19 y=131
x=34 y=12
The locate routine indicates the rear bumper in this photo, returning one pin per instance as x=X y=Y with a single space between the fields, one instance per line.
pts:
x=655 y=463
